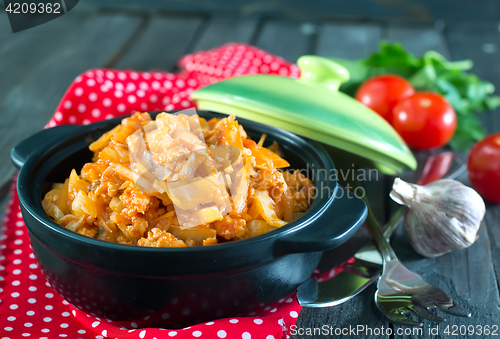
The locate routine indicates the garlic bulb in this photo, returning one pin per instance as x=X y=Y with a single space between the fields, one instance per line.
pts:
x=443 y=216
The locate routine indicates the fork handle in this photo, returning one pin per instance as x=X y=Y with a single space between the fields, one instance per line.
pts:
x=383 y=245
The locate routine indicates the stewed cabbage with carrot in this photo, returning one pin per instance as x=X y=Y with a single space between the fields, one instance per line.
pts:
x=126 y=194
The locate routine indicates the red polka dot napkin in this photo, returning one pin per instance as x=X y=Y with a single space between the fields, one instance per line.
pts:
x=29 y=307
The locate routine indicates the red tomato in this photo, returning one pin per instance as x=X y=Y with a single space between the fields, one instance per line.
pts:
x=425 y=120
x=382 y=92
x=483 y=166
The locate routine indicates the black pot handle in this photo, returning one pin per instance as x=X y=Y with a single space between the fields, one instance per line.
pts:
x=42 y=141
x=336 y=225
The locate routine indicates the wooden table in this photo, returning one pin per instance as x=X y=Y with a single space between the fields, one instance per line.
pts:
x=36 y=67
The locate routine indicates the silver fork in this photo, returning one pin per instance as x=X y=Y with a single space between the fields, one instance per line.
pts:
x=401 y=291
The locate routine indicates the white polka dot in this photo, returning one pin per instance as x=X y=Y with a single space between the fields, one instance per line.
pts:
x=142 y=334
x=78 y=91
x=289 y=300
x=221 y=334
x=109 y=116
x=172 y=334
x=82 y=108
x=273 y=310
x=19 y=223
x=2 y=268
x=246 y=335
x=32 y=300
x=28 y=325
x=49 y=307
x=167 y=84
x=104 y=88
x=65 y=314
x=132 y=99
x=130 y=87
x=47 y=319
x=180 y=83
x=155 y=85
x=294 y=314
x=82 y=331
x=17 y=261
x=26 y=334
x=18 y=251
x=270 y=336
x=107 y=102
x=153 y=98
x=281 y=322
x=134 y=325
x=33 y=277
x=122 y=76
x=63 y=335
x=144 y=106
x=146 y=75
x=185 y=103
x=64 y=302
x=95 y=324
x=72 y=119
x=134 y=75
x=90 y=82
x=15 y=294
x=166 y=100
x=58 y=116
x=11 y=318
x=210 y=323
x=104 y=333
x=197 y=334
x=16 y=272
x=78 y=78
x=121 y=108
x=110 y=75
x=99 y=337
x=13 y=307
x=165 y=316
x=258 y=321
x=140 y=93
x=144 y=86
x=118 y=94
x=169 y=107
x=18 y=242
x=233 y=321
x=8 y=328
x=92 y=97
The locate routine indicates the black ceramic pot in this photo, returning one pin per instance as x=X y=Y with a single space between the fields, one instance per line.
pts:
x=175 y=287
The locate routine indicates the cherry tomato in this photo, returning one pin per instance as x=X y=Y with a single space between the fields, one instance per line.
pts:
x=483 y=166
x=382 y=92
x=425 y=120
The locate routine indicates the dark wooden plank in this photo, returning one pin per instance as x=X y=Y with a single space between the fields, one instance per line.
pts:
x=479 y=42
x=287 y=39
x=418 y=38
x=466 y=275
x=220 y=30
x=21 y=53
x=492 y=220
x=31 y=102
x=341 y=9
x=161 y=43
x=356 y=314
x=351 y=41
